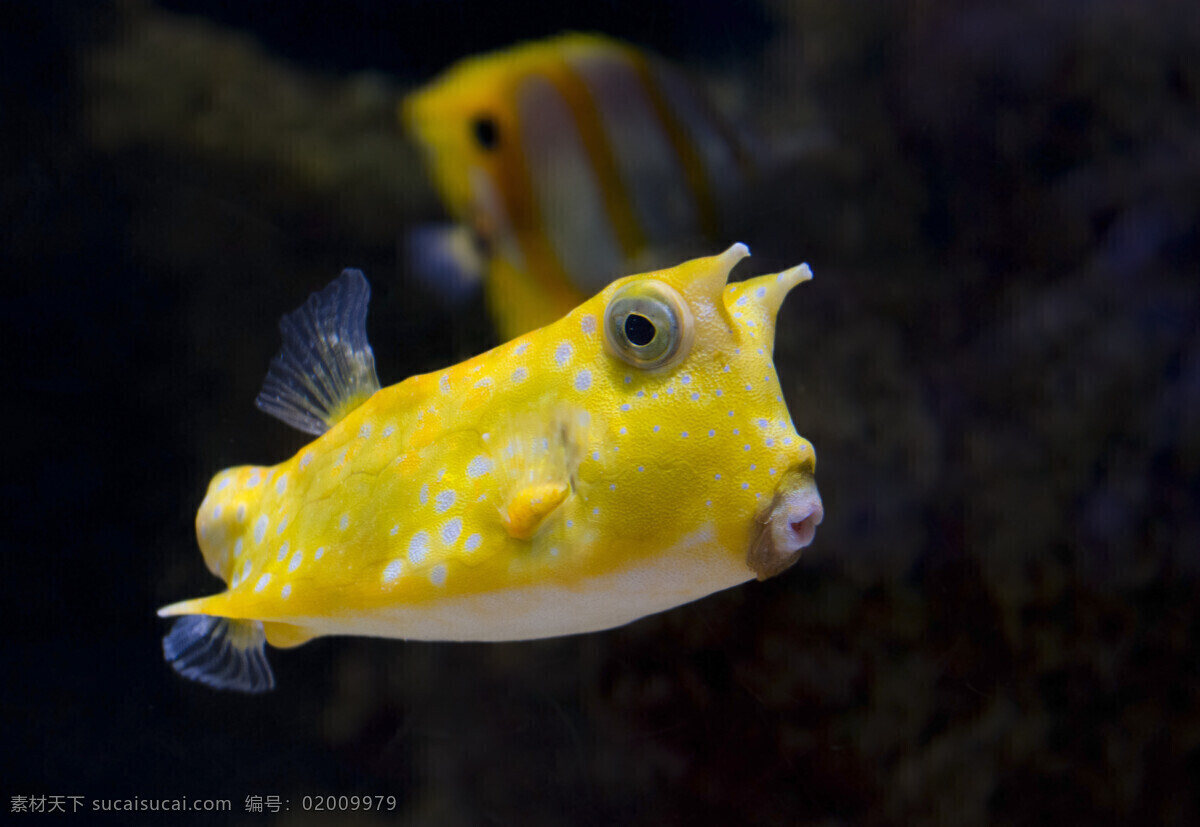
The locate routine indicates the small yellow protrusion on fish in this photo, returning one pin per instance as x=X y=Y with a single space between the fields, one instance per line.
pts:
x=529 y=506
x=633 y=456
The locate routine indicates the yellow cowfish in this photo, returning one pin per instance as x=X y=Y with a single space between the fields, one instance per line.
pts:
x=635 y=455
x=568 y=162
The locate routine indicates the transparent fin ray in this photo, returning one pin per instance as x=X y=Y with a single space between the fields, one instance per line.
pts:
x=219 y=652
x=326 y=368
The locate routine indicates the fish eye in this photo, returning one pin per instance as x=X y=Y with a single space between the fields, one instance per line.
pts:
x=486 y=132
x=648 y=325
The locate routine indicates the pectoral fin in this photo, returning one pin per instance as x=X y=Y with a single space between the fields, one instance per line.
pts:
x=529 y=506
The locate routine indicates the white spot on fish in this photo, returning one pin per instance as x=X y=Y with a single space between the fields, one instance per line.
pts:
x=760 y=293
x=260 y=528
x=424 y=495
x=389 y=430
x=771 y=471
x=519 y=375
x=596 y=455
x=418 y=547
x=237 y=548
x=716 y=476
x=282 y=525
x=392 y=570
x=583 y=380
x=562 y=354
x=320 y=553
x=281 y=484
x=216 y=512
x=640 y=468
x=695 y=396
x=262 y=583
x=485 y=382
x=623 y=430
x=365 y=431
x=344 y=521
x=684 y=435
x=283 y=550
x=745 y=485
x=770 y=442
x=305 y=460
x=253 y=479
x=224 y=484
x=588 y=324
x=521 y=348
x=450 y=530
x=712 y=433
x=297 y=559
x=286 y=592
x=241 y=512
x=472 y=542
x=443 y=501
x=437 y=575
x=478 y=466
x=444 y=383
x=657 y=428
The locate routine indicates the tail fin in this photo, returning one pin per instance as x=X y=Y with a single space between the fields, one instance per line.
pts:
x=220 y=652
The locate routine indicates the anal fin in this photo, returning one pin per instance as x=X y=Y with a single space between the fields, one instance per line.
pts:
x=326 y=368
x=220 y=652
x=286 y=635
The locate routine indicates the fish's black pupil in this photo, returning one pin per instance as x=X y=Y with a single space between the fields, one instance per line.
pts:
x=639 y=330
x=486 y=133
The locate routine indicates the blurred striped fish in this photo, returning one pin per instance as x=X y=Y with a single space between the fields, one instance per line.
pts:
x=569 y=162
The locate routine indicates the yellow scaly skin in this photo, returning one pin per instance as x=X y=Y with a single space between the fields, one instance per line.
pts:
x=545 y=487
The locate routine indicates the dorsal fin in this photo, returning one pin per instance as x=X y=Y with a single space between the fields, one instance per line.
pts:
x=326 y=369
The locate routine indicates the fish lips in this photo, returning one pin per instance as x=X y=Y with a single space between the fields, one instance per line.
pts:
x=786 y=526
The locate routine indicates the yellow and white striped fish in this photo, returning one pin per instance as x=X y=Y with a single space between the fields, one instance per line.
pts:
x=634 y=455
x=568 y=163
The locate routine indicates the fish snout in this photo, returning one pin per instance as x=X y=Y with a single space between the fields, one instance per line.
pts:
x=788 y=525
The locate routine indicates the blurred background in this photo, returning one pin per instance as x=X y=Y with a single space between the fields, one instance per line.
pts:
x=998 y=364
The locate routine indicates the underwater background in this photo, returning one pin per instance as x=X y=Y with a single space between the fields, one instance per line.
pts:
x=998 y=364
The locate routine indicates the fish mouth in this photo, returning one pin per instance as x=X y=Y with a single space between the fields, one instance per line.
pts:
x=788 y=525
